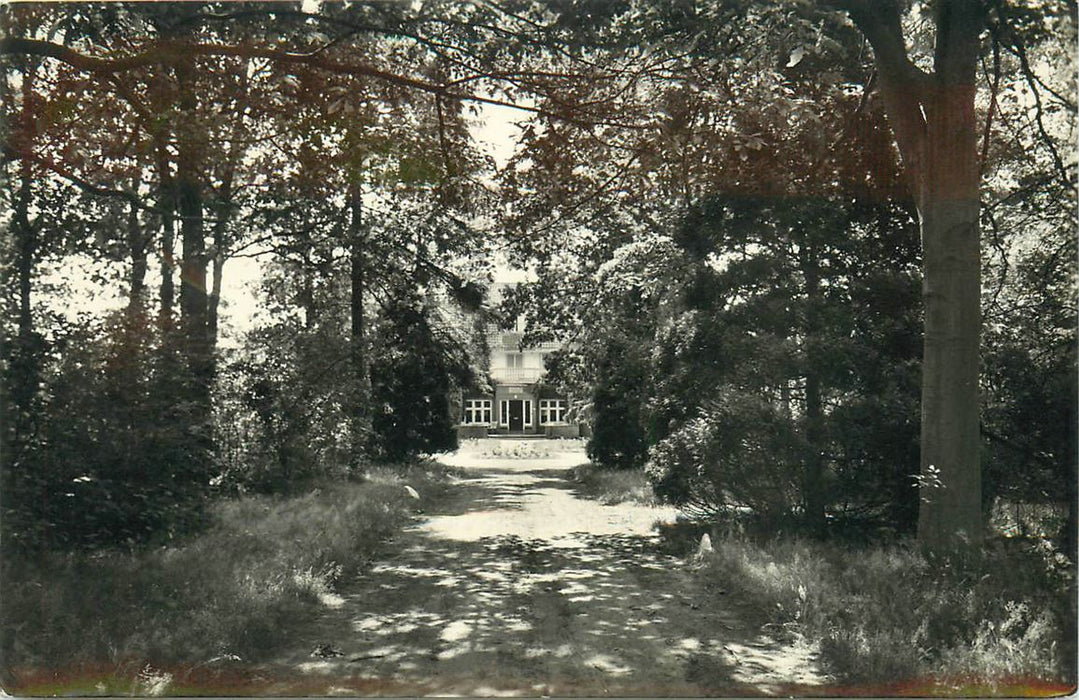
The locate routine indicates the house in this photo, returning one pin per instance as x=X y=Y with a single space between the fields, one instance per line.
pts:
x=518 y=403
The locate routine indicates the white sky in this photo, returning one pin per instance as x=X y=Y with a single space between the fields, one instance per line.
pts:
x=495 y=134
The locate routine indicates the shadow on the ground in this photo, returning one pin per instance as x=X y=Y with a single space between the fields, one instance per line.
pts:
x=463 y=610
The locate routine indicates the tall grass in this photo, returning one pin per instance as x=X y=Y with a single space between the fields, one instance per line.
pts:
x=232 y=592
x=612 y=486
x=885 y=618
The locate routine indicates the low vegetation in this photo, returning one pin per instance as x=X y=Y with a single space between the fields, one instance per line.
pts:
x=998 y=622
x=232 y=593
x=611 y=486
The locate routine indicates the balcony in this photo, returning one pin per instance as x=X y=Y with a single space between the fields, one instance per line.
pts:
x=516 y=375
x=510 y=341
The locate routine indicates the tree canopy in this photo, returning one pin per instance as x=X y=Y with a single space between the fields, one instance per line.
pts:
x=719 y=202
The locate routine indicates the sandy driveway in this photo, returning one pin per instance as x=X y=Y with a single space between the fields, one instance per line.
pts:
x=517 y=586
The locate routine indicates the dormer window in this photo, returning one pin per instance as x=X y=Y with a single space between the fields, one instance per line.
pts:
x=515 y=360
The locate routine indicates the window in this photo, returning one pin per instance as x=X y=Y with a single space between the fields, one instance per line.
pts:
x=552 y=411
x=528 y=413
x=504 y=413
x=515 y=360
x=478 y=411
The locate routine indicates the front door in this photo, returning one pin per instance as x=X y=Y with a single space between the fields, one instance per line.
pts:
x=517 y=416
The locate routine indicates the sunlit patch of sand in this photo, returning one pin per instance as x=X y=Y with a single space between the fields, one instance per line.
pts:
x=456 y=631
x=608 y=664
x=321 y=666
x=767 y=663
x=533 y=511
x=689 y=644
x=330 y=600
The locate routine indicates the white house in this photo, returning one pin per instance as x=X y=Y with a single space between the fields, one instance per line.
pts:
x=520 y=403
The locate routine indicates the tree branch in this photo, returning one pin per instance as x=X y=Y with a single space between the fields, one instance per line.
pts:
x=172 y=51
x=881 y=24
x=993 y=90
x=904 y=86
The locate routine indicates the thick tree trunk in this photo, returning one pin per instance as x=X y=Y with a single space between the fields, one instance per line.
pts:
x=948 y=209
x=361 y=415
x=951 y=499
x=933 y=119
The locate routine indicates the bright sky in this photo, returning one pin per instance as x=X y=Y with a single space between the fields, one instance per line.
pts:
x=494 y=131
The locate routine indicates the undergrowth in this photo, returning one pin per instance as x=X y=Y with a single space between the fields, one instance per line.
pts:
x=885 y=617
x=230 y=593
x=612 y=486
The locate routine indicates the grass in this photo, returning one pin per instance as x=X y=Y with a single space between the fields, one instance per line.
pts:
x=888 y=622
x=612 y=486
x=228 y=594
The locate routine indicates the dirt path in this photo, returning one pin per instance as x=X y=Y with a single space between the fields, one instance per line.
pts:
x=517 y=586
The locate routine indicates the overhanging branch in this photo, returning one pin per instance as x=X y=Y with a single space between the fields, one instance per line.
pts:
x=166 y=52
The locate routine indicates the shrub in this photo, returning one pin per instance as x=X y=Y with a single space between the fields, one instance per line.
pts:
x=618 y=440
x=739 y=452
x=413 y=373
x=117 y=453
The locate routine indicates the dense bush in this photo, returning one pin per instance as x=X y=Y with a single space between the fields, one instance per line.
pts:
x=118 y=455
x=785 y=377
x=740 y=451
x=413 y=375
x=618 y=437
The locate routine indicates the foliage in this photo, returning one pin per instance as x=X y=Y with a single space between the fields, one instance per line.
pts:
x=618 y=436
x=769 y=313
x=886 y=618
x=413 y=376
x=263 y=565
x=113 y=461
x=282 y=408
x=738 y=451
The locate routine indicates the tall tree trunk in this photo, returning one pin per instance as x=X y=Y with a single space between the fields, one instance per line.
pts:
x=223 y=213
x=361 y=415
x=162 y=132
x=137 y=241
x=948 y=208
x=933 y=119
x=167 y=204
x=194 y=322
x=215 y=289
x=814 y=424
x=25 y=368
